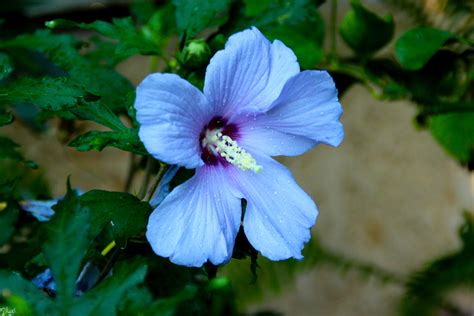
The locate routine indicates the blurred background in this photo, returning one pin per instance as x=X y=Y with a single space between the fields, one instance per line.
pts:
x=390 y=198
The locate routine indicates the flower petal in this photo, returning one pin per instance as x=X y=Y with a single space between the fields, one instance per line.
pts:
x=306 y=113
x=249 y=73
x=198 y=221
x=171 y=113
x=279 y=213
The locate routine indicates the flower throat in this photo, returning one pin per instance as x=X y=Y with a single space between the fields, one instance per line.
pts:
x=217 y=144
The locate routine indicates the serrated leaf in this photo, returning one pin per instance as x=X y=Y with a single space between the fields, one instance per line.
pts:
x=6 y=118
x=62 y=50
x=105 y=298
x=8 y=218
x=97 y=140
x=364 y=31
x=455 y=132
x=126 y=212
x=195 y=16
x=130 y=40
x=54 y=94
x=6 y=66
x=13 y=284
x=100 y=113
x=67 y=238
x=416 y=46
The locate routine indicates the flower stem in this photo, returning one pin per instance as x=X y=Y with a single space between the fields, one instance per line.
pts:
x=161 y=172
x=150 y=165
x=332 y=29
x=132 y=169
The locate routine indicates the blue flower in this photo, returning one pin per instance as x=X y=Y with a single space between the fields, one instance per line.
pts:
x=256 y=104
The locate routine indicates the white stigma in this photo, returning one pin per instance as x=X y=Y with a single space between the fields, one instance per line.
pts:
x=228 y=149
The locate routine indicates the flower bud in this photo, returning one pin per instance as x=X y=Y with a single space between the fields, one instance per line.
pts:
x=195 y=53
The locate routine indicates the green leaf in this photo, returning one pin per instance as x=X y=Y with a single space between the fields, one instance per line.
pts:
x=254 y=8
x=6 y=66
x=426 y=289
x=305 y=38
x=6 y=118
x=97 y=140
x=364 y=31
x=100 y=113
x=54 y=94
x=62 y=50
x=105 y=298
x=13 y=284
x=455 y=132
x=8 y=150
x=195 y=16
x=128 y=214
x=130 y=40
x=67 y=238
x=8 y=218
x=416 y=46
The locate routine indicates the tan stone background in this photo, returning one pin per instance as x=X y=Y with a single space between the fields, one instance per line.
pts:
x=389 y=195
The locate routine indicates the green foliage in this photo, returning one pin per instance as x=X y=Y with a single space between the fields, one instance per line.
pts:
x=96 y=140
x=8 y=218
x=54 y=94
x=426 y=289
x=13 y=285
x=67 y=237
x=416 y=46
x=455 y=132
x=9 y=150
x=129 y=40
x=106 y=297
x=5 y=119
x=195 y=16
x=127 y=214
x=364 y=31
x=6 y=67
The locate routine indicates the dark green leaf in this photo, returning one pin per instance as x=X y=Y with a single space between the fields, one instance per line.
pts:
x=62 y=50
x=195 y=16
x=14 y=285
x=130 y=40
x=67 y=239
x=6 y=66
x=8 y=150
x=100 y=113
x=96 y=140
x=54 y=94
x=364 y=31
x=8 y=219
x=426 y=289
x=455 y=132
x=6 y=118
x=254 y=8
x=416 y=46
x=105 y=298
x=305 y=38
x=127 y=213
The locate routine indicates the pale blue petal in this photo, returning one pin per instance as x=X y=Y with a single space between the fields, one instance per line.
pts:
x=305 y=114
x=248 y=74
x=279 y=213
x=171 y=113
x=164 y=187
x=198 y=221
x=42 y=210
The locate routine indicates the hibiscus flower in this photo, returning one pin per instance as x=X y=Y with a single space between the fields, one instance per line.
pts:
x=256 y=104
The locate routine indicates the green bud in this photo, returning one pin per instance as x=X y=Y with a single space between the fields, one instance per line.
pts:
x=196 y=53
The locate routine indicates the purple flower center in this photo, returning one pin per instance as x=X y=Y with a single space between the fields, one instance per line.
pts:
x=217 y=124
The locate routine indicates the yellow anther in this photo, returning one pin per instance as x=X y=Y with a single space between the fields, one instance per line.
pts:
x=108 y=248
x=3 y=205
